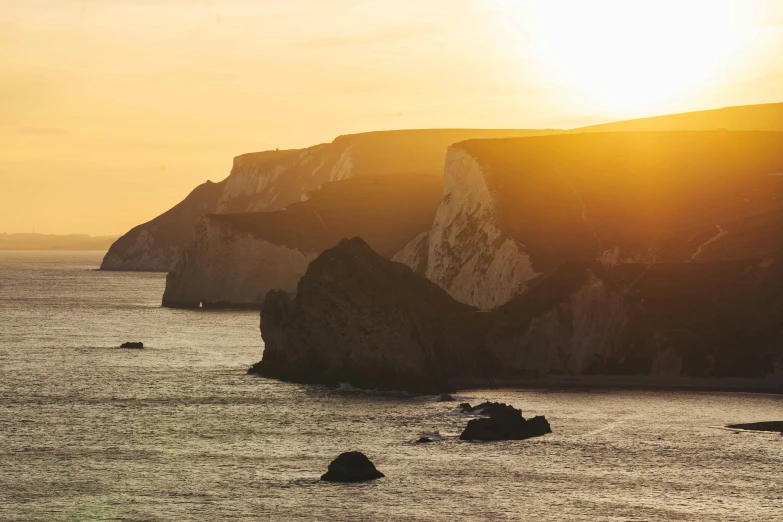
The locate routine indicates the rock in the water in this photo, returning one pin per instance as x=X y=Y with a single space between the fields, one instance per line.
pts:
x=488 y=408
x=760 y=426
x=132 y=345
x=445 y=397
x=504 y=423
x=352 y=466
x=424 y=439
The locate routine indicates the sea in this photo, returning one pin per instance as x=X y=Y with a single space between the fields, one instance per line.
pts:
x=178 y=431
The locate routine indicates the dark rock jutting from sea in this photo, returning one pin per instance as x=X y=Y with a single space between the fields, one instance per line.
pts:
x=502 y=422
x=351 y=466
x=760 y=426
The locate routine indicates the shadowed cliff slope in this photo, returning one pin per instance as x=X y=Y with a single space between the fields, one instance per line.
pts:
x=236 y=259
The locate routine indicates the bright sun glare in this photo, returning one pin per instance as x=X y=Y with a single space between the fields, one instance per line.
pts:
x=625 y=55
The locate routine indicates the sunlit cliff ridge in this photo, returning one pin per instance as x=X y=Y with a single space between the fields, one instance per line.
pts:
x=272 y=180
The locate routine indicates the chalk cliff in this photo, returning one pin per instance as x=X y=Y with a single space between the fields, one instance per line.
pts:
x=514 y=209
x=236 y=259
x=154 y=246
x=272 y=180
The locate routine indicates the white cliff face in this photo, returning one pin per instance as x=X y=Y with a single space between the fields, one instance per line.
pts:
x=469 y=256
x=414 y=254
x=224 y=267
x=344 y=166
x=143 y=255
x=257 y=185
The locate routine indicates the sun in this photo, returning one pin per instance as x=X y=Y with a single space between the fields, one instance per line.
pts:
x=626 y=55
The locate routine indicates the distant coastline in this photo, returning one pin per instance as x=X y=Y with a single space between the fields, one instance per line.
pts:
x=55 y=242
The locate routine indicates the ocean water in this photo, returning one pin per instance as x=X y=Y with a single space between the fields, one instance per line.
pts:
x=178 y=431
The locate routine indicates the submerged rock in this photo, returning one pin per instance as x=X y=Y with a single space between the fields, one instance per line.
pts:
x=445 y=397
x=504 y=423
x=131 y=344
x=352 y=466
x=424 y=439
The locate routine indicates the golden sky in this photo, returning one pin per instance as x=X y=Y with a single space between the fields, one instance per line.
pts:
x=111 y=111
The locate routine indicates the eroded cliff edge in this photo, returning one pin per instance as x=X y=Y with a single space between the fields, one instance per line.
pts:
x=236 y=259
x=363 y=319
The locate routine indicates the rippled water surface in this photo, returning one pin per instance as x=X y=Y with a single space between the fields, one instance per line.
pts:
x=179 y=432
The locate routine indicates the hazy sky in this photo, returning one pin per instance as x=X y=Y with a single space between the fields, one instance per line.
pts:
x=112 y=110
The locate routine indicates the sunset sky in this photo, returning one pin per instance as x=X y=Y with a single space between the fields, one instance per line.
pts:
x=113 y=110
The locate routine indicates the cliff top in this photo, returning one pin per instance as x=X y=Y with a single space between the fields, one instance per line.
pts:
x=572 y=195
x=767 y=116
